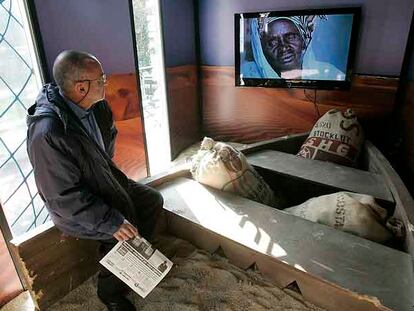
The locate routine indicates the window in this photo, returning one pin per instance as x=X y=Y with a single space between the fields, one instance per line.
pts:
x=152 y=81
x=19 y=84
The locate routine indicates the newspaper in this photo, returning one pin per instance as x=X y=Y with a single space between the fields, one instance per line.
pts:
x=137 y=264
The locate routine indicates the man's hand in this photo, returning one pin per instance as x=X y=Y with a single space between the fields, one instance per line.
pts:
x=126 y=231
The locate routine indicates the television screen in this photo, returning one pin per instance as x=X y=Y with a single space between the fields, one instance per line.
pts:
x=311 y=49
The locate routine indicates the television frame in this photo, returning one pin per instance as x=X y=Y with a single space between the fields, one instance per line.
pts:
x=300 y=83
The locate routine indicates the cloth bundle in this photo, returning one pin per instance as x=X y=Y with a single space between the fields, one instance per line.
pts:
x=336 y=137
x=354 y=213
x=220 y=166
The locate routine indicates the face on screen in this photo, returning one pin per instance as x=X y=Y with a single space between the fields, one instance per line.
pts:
x=283 y=46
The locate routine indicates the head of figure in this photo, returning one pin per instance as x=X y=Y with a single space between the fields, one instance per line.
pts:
x=283 y=45
x=80 y=77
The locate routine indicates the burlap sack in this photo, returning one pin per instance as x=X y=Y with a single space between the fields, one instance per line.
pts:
x=354 y=213
x=220 y=166
x=336 y=137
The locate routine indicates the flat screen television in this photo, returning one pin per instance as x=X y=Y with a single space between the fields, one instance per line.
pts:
x=305 y=48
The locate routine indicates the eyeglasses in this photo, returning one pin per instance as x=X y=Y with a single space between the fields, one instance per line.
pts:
x=101 y=80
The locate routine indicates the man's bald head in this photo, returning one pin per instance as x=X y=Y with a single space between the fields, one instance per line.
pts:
x=71 y=66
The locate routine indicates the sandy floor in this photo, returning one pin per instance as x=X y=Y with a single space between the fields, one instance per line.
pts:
x=198 y=281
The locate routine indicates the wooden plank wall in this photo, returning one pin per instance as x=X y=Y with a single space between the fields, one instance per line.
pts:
x=53 y=264
x=10 y=285
x=249 y=115
x=183 y=107
x=408 y=117
x=124 y=98
x=12 y=279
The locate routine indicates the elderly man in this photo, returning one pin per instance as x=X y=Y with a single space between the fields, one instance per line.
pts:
x=70 y=143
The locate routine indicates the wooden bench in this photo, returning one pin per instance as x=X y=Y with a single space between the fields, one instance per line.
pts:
x=331 y=259
x=337 y=177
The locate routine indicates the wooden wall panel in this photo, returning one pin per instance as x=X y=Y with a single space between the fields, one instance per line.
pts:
x=183 y=107
x=10 y=285
x=252 y=114
x=408 y=116
x=54 y=265
x=370 y=97
x=123 y=96
x=130 y=149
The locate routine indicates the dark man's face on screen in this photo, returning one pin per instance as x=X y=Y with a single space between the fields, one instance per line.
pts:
x=282 y=46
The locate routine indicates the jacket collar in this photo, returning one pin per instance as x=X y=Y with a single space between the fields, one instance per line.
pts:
x=50 y=103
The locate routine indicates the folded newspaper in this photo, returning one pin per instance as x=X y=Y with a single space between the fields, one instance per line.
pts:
x=137 y=264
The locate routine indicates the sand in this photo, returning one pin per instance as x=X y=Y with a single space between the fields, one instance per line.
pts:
x=198 y=281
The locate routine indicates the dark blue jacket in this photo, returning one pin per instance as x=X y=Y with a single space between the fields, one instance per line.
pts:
x=85 y=193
